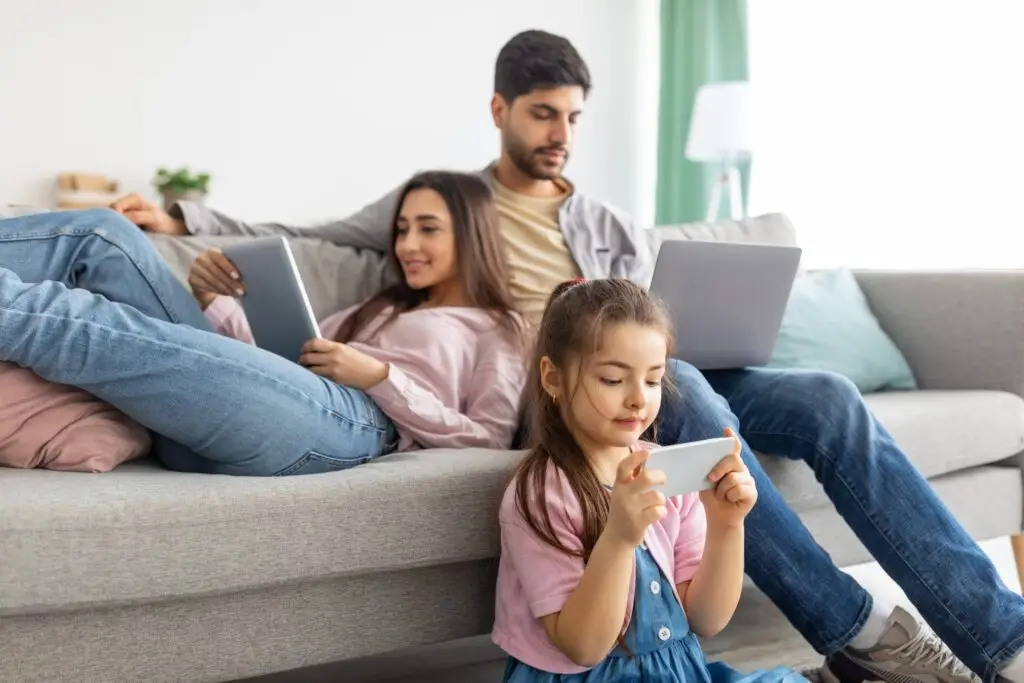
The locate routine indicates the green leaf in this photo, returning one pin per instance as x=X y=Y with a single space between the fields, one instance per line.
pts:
x=180 y=180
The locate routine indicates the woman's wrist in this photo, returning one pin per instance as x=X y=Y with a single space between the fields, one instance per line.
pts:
x=204 y=299
x=378 y=373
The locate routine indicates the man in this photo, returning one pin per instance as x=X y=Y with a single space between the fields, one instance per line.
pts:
x=553 y=234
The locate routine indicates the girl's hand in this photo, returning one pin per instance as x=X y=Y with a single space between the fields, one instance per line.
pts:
x=212 y=275
x=734 y=493
x=634 y=505
x=342 y=364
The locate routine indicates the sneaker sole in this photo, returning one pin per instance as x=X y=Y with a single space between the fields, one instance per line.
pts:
x=851 y=671
x=827 y=676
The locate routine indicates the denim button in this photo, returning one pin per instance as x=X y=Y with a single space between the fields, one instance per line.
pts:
x=655 y=587
x=664 y=633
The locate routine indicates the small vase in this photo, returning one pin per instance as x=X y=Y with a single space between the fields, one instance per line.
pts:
x=172 y=196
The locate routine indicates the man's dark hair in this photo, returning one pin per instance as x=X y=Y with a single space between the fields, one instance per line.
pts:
x=534 y=60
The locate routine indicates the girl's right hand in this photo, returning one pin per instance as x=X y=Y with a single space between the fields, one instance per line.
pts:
x=634 y=505
x=212 y=275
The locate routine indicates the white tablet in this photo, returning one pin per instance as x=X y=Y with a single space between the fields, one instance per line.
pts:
x=688 y=465
x=275 y=301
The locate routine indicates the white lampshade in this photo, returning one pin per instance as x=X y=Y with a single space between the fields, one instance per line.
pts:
x=721 y=126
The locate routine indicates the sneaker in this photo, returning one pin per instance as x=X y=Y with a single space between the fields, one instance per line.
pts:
x=908 y=652
x=812 y=675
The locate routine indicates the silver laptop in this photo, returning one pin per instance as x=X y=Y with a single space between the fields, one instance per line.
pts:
x=727 y=299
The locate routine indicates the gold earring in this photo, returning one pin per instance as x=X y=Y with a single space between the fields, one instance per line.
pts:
x=554 y=399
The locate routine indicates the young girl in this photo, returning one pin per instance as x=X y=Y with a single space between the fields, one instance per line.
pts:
x=601 y=577
x=432 y=361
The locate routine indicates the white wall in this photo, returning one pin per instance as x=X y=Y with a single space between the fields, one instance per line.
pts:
x=892 y=132
x=304 y=109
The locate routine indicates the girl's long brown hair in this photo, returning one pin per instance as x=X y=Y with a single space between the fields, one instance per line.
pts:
x=571 y=329
x=480 y=255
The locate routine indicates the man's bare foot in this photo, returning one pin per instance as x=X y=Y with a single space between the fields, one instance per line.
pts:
x=148 y=216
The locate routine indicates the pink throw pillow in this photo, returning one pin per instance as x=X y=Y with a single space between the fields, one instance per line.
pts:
x=58 y=427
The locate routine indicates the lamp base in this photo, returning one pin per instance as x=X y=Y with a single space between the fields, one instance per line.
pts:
x=728 y=180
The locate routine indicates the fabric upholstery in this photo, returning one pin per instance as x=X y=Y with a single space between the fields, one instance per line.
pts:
x=65 y=531
x=58 y=427
x=144 y=574
x=221 y=635
x=828 y=325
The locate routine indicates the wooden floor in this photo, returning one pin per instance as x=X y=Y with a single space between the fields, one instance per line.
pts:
x=757 y=637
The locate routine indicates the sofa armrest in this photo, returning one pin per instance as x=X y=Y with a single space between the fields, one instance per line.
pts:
x=957 y=329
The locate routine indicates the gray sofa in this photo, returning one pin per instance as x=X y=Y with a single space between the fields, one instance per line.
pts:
x=147 y=575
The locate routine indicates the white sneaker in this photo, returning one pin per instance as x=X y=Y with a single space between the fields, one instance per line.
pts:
x=909 y=652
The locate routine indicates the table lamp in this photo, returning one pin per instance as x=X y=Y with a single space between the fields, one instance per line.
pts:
x=721 y=134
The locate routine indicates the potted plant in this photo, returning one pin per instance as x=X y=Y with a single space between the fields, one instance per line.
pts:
x=181 y=184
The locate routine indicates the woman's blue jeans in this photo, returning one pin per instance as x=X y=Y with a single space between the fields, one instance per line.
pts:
x=86 y=300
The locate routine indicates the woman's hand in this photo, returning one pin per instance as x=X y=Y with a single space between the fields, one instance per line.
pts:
x=212 y=275
x=734 y=493
x=634 y=504
x=342 y=364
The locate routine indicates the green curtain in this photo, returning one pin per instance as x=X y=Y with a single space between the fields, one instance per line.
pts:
x=702 y=41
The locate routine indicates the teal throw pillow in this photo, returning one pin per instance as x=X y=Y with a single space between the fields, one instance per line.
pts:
x=828 y=325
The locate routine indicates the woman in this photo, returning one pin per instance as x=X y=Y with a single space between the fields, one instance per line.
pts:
x=432 y=361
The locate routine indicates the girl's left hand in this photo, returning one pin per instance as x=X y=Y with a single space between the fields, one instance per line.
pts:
x=734 y=492
x=342 y=364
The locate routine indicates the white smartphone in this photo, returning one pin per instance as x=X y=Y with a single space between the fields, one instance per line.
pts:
x=687 y=465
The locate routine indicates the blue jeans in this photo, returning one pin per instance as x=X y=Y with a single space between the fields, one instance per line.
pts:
x=821 y=419
x=86 y=300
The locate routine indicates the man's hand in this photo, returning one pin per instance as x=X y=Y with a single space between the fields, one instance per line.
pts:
x=342 y=364
x=734 y=492
x=212 y=275
x=148 y=216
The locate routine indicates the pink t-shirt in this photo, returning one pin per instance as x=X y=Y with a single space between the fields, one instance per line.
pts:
x=455 y=374
x=535 y=579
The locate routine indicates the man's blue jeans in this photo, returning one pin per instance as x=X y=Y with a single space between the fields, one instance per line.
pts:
x=821 y=419
x=86 y=300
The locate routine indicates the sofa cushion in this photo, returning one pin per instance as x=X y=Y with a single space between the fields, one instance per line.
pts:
x=940 y=431
x=772 y=228
x=59 y=427
x=828 y=325
x=141 y=533
x=337 y=277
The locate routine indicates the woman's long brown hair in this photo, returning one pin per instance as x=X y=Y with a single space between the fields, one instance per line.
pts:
x=571 y=329
x=479 y=250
